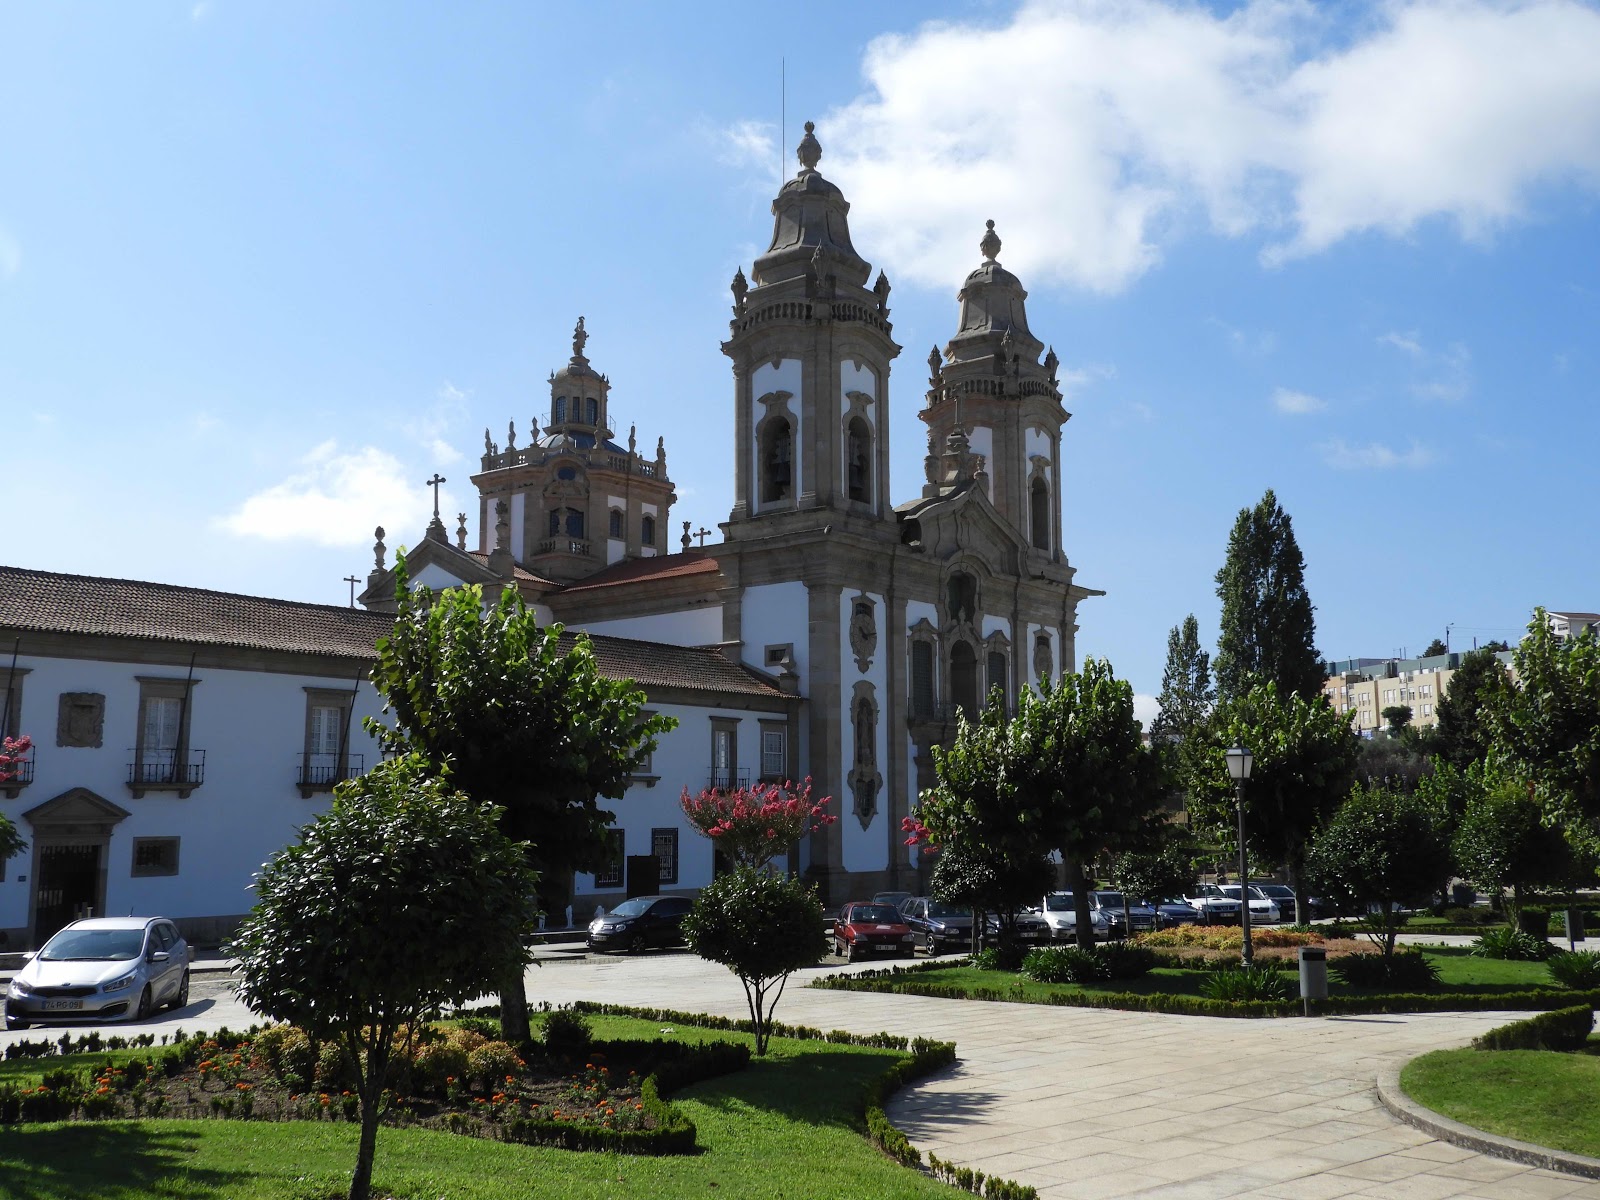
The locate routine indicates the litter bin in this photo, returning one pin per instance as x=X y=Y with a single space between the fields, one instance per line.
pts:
x=1313 y=975
x=1574 y=920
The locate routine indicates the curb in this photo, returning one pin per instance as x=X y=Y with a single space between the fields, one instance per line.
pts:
x=1437 y=1125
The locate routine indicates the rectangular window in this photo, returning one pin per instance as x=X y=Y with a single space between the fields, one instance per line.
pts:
x=155 y=856
x=724 y=753
x=161 y=754
x=325 y=758
x=664 y=845
x=1427 y=710
x=774 y=752
x=997 y=672
x=609 y=875
x=921 y=679
x=776 y=656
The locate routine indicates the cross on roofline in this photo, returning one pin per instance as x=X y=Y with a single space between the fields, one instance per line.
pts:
x=434 y=484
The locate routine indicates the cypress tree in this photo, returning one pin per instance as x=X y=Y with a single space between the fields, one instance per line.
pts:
x=1268 y=632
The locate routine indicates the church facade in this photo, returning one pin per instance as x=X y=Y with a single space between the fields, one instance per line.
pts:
x=883 y=619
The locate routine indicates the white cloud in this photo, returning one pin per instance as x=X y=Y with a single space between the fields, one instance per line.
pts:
x=336 y=499
x=434 y=427
x=1101 y=129
x=1296 y=403
x=752 y=144
x=1145 y=709
x=1411 y=343
x=1373 y=456
x=1452 y=376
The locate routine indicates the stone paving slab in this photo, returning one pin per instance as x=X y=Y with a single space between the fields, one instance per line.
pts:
x=1093 y=1104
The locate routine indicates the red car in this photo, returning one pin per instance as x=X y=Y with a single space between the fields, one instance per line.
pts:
x=864 y=928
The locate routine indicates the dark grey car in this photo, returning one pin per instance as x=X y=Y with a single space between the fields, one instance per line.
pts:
x=940 y=928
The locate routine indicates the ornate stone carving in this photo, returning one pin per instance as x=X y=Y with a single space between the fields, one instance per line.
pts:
x=81 y=719
x=961 y=598
x=863 y=630
x=1042 y=657
x=865 y=780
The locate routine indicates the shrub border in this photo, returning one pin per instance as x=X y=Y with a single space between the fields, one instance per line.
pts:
x=892 y=981
x=924 y=1057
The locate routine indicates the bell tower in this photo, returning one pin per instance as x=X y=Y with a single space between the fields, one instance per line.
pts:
x=811 y=346
x=991 y=388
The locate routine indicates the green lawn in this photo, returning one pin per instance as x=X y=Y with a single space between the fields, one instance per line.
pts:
x=785 y=1127
x=1538 y=1096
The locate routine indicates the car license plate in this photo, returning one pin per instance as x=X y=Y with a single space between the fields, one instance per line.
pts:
x=63 y=1005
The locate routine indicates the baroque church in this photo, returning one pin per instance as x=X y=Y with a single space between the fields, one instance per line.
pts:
x=848 y=630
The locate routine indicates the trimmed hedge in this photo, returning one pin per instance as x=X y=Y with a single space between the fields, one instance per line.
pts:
x=1161 y=1002
x=1563 y=1029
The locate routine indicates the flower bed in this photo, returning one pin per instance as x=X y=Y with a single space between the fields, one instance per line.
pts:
x=456 y=1080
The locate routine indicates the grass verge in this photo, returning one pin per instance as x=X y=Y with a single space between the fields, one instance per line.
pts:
x=787 y=1126
x=1541 y=1096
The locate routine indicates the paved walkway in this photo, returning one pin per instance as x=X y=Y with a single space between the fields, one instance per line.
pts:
x=1089 y=1105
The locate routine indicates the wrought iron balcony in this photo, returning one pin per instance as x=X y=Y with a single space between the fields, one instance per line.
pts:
x=725 y=780
x=20 y=775
x=320 y=772
x=166 y=771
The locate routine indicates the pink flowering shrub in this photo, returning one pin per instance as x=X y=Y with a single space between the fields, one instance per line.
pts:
x=12 y=752
x=754 y=825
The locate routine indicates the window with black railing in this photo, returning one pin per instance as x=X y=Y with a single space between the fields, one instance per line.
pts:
x=16 y=777
x=154 y=768
x=726 y=779
x=319 y=772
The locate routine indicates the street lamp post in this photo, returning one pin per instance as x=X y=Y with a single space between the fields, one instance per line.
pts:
x=1239 y=760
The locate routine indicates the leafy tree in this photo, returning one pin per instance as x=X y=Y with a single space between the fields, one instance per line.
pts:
x=1398 y=716
x=1079 y=766
x=1303 y=763
x=1464 y=731
x=524 y=720
x=1547 y=728
x=12 y=753
x=993 y=844
x=402 y=898
x=1392 y=760
x=1496 y=647
x=751 y=826
x=761 y=927
x=1186 y=691
x=1502 y=841
x=1268 y=631
x=1435 y=648
x=1382 y=848
x=1166 y=869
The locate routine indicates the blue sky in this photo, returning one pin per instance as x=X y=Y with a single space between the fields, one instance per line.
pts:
x=265 y=268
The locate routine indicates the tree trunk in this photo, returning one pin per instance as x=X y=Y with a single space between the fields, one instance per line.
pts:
x=514 y=1026
x=1078 y=882
x=372 y=1074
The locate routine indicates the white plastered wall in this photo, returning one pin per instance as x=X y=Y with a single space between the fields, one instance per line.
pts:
x=518 y=516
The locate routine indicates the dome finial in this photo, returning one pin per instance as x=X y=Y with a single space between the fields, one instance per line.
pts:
x=809 y=151
x=990 y=244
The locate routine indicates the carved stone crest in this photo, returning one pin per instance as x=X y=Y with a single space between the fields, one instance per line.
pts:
x=1041 y=656
x=865 y=781
x=863 y=630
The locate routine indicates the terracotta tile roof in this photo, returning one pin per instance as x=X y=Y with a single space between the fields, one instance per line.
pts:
x=49 y=602
x=657 y=664
x=521 y=572
x=636 y=570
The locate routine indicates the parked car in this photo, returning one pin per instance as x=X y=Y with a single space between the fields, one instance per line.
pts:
x=1172 y=913
x=1280 y=895
x=893 y=899
x=102 y=969
x=864 y=927
x=640 y=923
x=1031 y=928
x=1060 y=914
x=1141 y=918
x=940 y=927
x=1262 y=910
x=1216 y=907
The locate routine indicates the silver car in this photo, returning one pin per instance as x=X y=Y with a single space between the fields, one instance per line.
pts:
x=100 y=969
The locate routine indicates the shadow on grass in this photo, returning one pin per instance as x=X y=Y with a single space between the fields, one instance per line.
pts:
x=107 y=1161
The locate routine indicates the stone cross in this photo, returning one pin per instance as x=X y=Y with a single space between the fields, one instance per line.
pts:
x=352 y=581
x=434 y=484
x=702 y=533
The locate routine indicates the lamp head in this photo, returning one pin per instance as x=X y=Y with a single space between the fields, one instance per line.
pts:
x=1239 y=760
